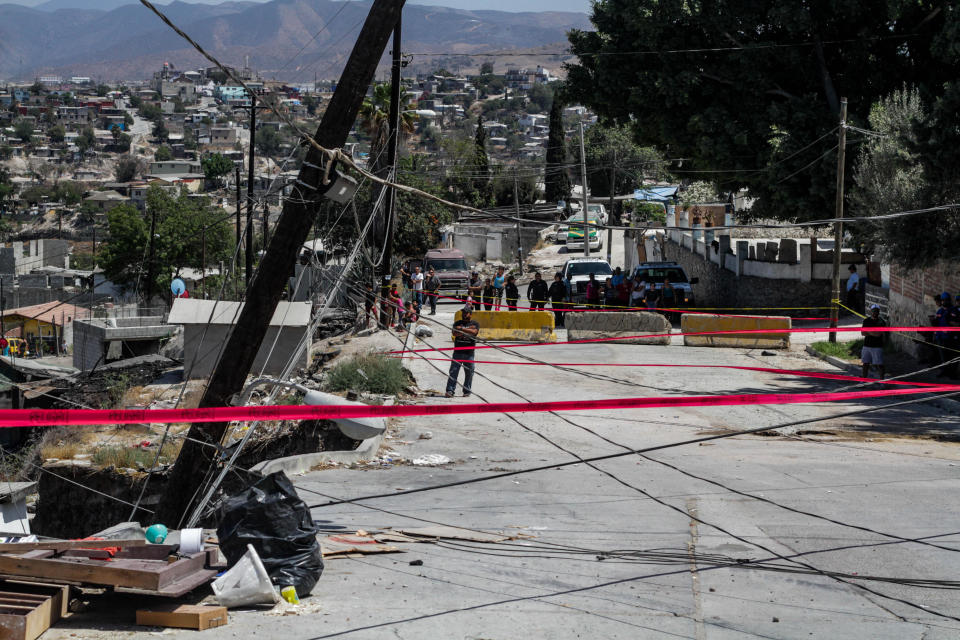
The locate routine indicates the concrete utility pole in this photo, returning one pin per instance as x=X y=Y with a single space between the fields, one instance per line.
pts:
x=583 y=176
x=838 y=226
x=249 y=249
x=236 y=262
x=267 y=286
x=386 y=270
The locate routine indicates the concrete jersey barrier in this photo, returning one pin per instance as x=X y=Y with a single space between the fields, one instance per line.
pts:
x=589 y=325
x=696 y=323
x=515 y=326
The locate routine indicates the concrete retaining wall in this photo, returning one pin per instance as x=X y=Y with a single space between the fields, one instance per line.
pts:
x=700 y=322
x=589 y=325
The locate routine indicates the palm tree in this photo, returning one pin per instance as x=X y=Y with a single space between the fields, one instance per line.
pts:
x=374 y=119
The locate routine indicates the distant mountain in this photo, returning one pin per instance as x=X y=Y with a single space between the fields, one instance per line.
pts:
x=95 y=5
x=129 y=42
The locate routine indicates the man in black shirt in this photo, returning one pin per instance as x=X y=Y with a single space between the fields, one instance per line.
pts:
x=537 y=292
x=872 y=352
x=465 y=332
x=558 y=293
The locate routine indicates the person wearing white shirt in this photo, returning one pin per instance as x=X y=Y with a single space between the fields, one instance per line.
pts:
x=853 y=289
x=416 y=279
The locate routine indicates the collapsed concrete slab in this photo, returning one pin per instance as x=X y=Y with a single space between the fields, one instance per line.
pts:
x=588 y=325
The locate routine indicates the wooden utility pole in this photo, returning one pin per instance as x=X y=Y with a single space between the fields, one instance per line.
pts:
x=838 y=226
x=267 y=286
x=613 y=181
x=386 y=268
x=516 y=208
x=150 y=243
x=583 y=176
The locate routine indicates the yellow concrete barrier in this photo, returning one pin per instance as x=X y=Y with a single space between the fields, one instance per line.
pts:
x=515 y=326
x=698 y=322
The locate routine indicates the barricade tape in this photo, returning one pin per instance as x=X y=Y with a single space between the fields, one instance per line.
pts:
x=931 y=329
x=74 y=417
x=697 y=333
x=789 y=372
x=577 y=306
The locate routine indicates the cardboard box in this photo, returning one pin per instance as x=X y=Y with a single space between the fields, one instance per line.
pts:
x=183 y=616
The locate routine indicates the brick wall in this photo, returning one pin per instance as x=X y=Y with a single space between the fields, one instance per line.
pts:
x=911 y=298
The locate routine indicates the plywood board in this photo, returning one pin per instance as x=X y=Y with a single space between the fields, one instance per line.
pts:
x=183 y=616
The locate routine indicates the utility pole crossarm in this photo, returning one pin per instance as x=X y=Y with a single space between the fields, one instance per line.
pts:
x=270 y=279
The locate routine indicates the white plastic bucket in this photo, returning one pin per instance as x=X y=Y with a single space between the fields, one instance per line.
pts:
x=246 y=583
x=191 y=541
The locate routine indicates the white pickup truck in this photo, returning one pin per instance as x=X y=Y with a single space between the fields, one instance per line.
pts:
x=578 y=272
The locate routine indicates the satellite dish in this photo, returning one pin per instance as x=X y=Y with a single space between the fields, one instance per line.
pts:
x=178 y=287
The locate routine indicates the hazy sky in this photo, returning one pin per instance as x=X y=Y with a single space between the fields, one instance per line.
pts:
x=582 y=6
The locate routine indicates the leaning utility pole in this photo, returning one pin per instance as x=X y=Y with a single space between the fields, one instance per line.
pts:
x=583 y=176
x=838 y=226
x=299 y=211
x=386 y=270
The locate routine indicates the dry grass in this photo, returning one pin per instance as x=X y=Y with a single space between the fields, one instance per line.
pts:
x=130 y=457
x=64 y=451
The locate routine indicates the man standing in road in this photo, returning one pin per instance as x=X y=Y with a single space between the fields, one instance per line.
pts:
x=872 y=352
x=558 y=293
x=537 y=292
x=512 y=293
x=416 y=280
x=465 y=332
x=432 y=287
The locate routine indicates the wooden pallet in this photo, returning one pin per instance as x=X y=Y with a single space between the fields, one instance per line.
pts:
x=28 y=609
x=146 y=570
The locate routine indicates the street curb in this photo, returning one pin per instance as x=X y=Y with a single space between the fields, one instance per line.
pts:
x=304 y=462
x=943 y=403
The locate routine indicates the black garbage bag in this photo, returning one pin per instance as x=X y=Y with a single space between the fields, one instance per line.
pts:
x=271 y=516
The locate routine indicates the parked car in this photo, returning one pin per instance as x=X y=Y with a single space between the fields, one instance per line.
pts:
x=451 y=267
x=598 y=211
x=578 y=271
x=576 y=233
x=658 y=271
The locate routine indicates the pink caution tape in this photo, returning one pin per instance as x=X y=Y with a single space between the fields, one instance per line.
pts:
x=38 y=417
x=697 y=333
x=789 y=372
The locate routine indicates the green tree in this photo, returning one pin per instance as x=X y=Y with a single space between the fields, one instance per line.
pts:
x=374 y=120
x=481 y=165
x=6 y=189
x=557 y=178
x=116 y=132
x=752 y=89
x=611 y=149
x=68 y=192
x=86 y=140
x=180 y=223
x=486 y=68
x=541 y=97
x=268 y=141
x=127 y=168
x=889 y=177
x=150 y=111
x=23 y=129
x=102 y=90
x=122 y=143
x=178 y=105
x=311 y=103
x=216 y=166
x=37 y=88
x=128 y=119
x=159 y=131
x=163 y=153
x=6 y=152
x=57 y=134
x=418 y=219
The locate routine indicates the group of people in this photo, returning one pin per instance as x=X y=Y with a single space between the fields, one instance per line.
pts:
x=619 y=291
x=948 y=342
